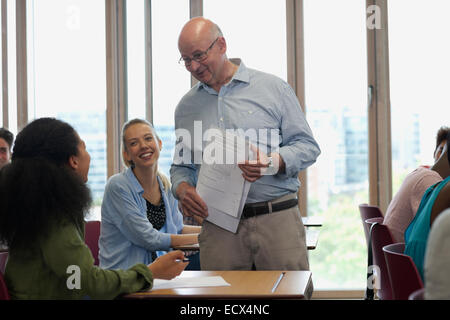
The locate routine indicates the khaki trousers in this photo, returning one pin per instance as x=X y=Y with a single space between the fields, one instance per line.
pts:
x=274 y=241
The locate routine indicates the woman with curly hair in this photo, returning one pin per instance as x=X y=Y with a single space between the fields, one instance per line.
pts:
x=44 y=200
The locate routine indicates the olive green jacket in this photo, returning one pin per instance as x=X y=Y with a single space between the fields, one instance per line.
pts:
x=59 y=265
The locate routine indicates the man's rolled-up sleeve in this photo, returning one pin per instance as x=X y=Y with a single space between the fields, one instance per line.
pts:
x=298 y=147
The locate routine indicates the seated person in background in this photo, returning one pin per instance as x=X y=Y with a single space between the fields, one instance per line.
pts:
x=404 y=205
x=140 y=215
x=437 y=259
x=435 y=200
x=44 y=200
x=6 y=141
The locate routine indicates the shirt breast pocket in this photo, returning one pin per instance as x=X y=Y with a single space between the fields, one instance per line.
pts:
x=255 y=118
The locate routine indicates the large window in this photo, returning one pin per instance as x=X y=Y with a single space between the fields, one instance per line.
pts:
x=419 y=69
x=135 y=52
x=12 y=84
x=67 y=72
x=336 y=109
x=170 y=79
x=255 y=31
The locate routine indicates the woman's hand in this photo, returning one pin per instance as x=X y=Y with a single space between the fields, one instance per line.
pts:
x=168 y=266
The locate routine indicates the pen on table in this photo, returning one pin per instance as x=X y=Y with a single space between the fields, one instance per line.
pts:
x=278 y=282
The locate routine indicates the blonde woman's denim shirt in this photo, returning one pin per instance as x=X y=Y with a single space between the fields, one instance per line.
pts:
x=127 y=237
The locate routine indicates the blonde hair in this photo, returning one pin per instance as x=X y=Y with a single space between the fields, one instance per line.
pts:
x=165 y=181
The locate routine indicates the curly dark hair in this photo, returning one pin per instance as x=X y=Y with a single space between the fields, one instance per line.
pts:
x=441 y=135
x=38 y=187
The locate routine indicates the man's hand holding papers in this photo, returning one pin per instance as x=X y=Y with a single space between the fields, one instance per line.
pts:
x=221 y=183
x=191 y=203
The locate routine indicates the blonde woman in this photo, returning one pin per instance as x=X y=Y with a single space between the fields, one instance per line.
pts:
x=140 y=216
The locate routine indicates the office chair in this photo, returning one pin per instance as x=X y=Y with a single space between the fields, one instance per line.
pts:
x=367 y=212
x=4 y=294
x=3 y=259
x=380 y=236
x=403 y=274
x=91 y=236
x=419 y=294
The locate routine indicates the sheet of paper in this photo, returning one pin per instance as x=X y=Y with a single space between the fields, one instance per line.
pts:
x=189 y=282
x=221 y=186
x=220 y=182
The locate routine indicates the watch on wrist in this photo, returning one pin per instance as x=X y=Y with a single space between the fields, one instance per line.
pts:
x=270 y=170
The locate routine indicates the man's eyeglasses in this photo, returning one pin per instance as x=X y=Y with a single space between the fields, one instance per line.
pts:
x=199 y=56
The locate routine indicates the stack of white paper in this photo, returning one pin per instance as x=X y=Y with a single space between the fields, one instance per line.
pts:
x=220 y=181
x=189 y=282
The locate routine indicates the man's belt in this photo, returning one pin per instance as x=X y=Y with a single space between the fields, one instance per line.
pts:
x=259 y=208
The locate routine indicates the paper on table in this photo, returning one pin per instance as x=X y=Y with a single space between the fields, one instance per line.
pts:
x=189 y=282
x=221 y=185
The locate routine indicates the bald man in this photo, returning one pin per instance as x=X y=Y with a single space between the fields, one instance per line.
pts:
x=270 y=235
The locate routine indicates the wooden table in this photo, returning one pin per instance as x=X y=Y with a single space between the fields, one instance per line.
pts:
x=312 y=238
x=244 y=285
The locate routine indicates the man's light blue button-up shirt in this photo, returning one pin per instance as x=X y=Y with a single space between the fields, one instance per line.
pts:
x=255 y=102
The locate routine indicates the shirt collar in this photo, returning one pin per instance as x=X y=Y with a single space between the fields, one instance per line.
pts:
x=135 y=183
x=241 y=74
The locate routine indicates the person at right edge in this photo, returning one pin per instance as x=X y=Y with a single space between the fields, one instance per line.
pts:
x=271 y=234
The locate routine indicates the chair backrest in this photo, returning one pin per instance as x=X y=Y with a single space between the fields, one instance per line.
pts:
x=91 y=236
x=380 y=237
x=417 y=295
x=367 y=212
x=403 y=274
x=4 y=294
x=3 y=259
